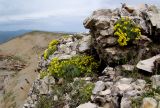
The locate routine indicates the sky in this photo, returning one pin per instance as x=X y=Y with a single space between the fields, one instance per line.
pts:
x=54 y=15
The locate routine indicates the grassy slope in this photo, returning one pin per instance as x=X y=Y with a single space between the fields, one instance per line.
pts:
x=28 y=48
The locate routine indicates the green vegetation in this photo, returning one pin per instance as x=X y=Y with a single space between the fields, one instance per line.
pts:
x=126 y=30
x=82 y=65
x=52 y=47
x=43 y=74
x=154 y=93
x=78 y=92
x=45 y=102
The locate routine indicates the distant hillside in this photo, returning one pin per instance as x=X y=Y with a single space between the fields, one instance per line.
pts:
x=28 y=48
x=7 y=35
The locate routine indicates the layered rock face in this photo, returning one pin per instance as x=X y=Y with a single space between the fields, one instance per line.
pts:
x=101 y=25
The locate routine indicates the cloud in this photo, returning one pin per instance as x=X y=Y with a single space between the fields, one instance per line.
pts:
x=53 y=14
x=36 y=9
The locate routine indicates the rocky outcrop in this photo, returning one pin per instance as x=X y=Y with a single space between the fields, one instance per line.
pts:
x=112 y=89
x=101 y=26
x=67 y=48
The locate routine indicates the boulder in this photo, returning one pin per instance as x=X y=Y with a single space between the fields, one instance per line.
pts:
x=149 y=103
x=125 y=103
x=156 y=68
x=128 y=67
x=105 y=92
x=108 y=71
x=108 y=105
x=125 y=81
x=49 y=80
x=110 y=41
x=155 y=81
x=99 y=86
x=148 y=64
x=87 y=105
x=124 y=87
x=139 y=84
x=85 y=44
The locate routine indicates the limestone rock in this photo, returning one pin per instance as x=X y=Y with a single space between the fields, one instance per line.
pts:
x=139 y=84
x=149 y=103
x=155 y=81
x=156 y=68
x=124 y=87
x=148 y=64
x=85 y=44
x=105 y=92
x=125 y=81
x=125 y=103
x=128 y=67
x=99 y=86
x=49 y=80
x=108 y=105
x=110 y=41
x=88 y=105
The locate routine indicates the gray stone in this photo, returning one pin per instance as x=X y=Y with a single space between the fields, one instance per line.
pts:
x=149 y=102
x=104 y=32
x=148 y=64
x=159 y=104
x=155 y=81
x=99 y=86
x=110 y=72
x=125 y=103
x=87 y=78
x=99 y=100
x=125 y=81
x=49 y=80
x=102 y=12
x=128 y=67
x=87 y=105
x=140 y=84
x=124 y=87
x=107 y=32
x=108 y=84
x=43 y=88
x=55 y=98
x=111 y=41
x=108 y=105
x=132 y=93
x=85 y=44
x=111 y=51
x=64 y=57
x=66 y=106
x=103 y=22
x=105 y=92
x=88 y=22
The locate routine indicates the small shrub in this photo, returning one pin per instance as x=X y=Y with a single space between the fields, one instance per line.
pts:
x=86 y=92
x=126 y=30
x=52 y=47
x=53 y=42
x=65 y=37
x=154 y=93
x=78 y=91
x=43 y=74
x=44 y=102
x=76 y=66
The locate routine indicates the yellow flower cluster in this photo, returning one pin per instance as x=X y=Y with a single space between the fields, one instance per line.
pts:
x=84 y=65
x=52 y=47
x=126 y=30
